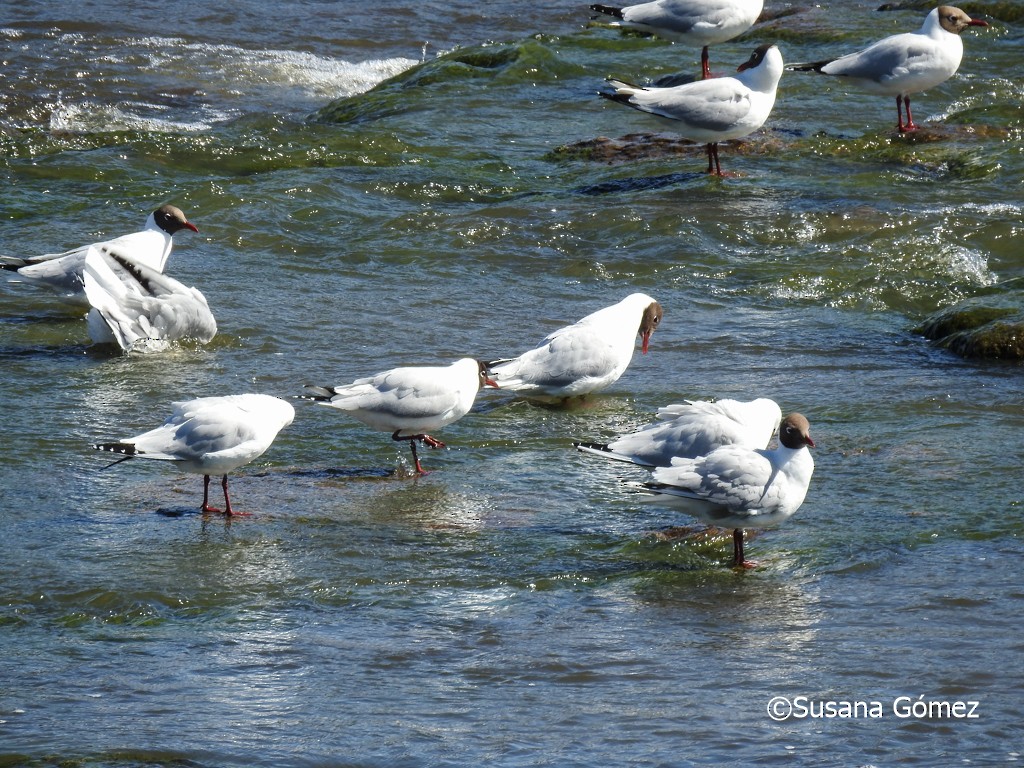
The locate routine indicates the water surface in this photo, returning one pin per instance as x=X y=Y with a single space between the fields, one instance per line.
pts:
x=516 y=605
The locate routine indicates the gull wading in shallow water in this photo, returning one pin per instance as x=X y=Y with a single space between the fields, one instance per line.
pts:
x=585 y=357
x=63 y=272
x=409 y=401
x=210 y=436
x=907 y=63
x=692 y=429
x=690 y=22
x=141 y=309
x=737 y=487
x=713 y=110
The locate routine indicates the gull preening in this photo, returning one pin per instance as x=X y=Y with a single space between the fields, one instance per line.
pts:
x=692 y=429
x=738 y=487
x=904 y=64
x=690 y=22
x=210 y=436
x=63 y=272
x=584 y=357
x=715 y=110
x=410 y=401
x=139 y=308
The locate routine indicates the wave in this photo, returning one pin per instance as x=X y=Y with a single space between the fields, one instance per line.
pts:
x=166 y=84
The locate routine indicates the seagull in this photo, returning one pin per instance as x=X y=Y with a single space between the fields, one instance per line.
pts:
x=907 y=63
x=692 y=22
x=585 y=357
x=692 y=429
x=409 y=401
x=139 y=308
x=713 y=110
x=62 y=272
x=739 y=487
x=210 y=436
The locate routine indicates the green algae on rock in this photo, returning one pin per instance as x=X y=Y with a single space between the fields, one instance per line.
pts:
x=985 y=327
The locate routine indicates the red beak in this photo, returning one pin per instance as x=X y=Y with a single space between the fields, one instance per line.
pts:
x=976 y=23
x=489 y=382
x=190 y=225
x=645 y=338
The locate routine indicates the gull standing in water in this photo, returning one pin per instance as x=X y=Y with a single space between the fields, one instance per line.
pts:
x=737 y=487
x=903 y=64
x=210 y=436
x=690 y=22
x=409 y=401
x=713 y=110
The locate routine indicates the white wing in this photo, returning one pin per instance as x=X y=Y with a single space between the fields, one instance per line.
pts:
x=140 y=308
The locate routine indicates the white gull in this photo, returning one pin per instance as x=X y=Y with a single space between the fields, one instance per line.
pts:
x=409 y=401
x=584 y=357
x=904 y=64
x=63 y=272
x=210 y=436
x=713 y=110
x=691 y=22
x=738 y=487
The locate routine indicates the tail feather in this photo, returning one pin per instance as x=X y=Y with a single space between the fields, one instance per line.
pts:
x=602 y=450
x=317 y=393
x=623 y=93
x=608 y=10
x=128 y=449
x=621 y=98
x=12 y=263
x=812 y=66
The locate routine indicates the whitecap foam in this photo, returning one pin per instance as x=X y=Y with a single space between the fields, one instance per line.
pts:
x=90 y=117
x=289 y=79
x=176 y=86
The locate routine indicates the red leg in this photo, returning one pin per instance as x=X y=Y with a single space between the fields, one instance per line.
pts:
x=705 y=64
x=738 y=560
x=714 y=166
x=432 y=442
x=227 y=501
x=416 y=458
x=909 y=125
x=206 y=496
x=910 y=118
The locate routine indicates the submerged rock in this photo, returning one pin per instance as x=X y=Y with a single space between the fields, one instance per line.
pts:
x=651 y=146
x=985 y=327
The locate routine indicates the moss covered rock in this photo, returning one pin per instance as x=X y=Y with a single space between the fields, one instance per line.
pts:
x=986 y=327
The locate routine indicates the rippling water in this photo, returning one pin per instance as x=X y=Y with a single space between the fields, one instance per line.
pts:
x=365 y=201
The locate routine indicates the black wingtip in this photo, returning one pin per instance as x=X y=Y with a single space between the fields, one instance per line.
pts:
x=621 y=98
x=317 y=393
x=128 y=449
x=607 y=10
x=813 y=66
x=580 y=445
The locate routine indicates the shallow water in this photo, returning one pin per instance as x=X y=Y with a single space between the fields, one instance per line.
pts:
x=516 y=605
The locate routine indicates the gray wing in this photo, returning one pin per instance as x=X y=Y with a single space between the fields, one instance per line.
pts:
x=711 y=105
x=732 y=477
x=881 y=61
